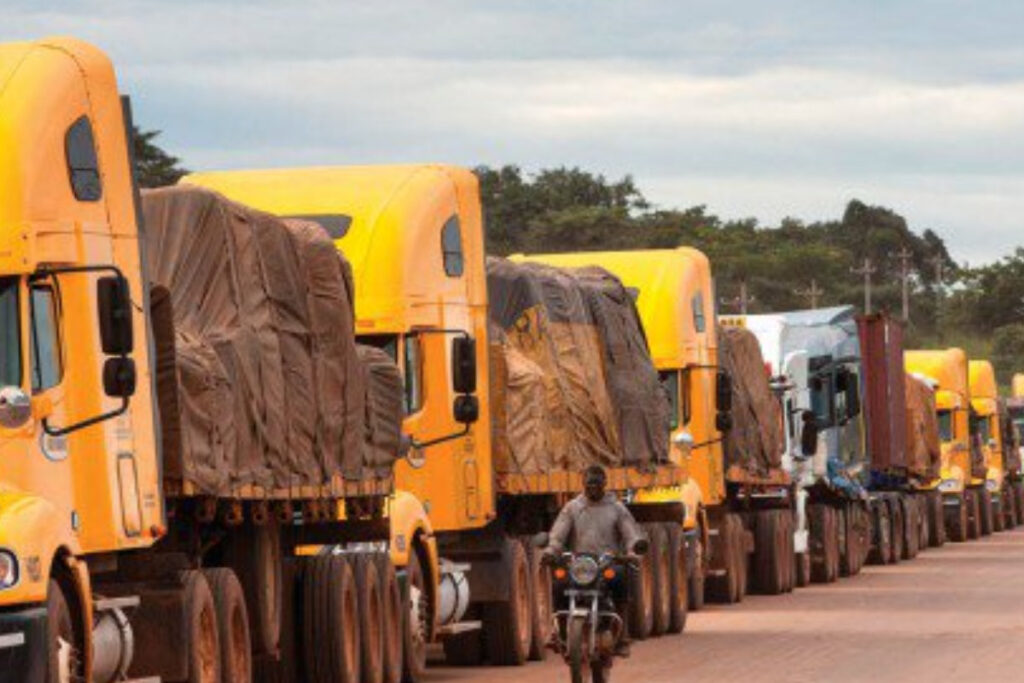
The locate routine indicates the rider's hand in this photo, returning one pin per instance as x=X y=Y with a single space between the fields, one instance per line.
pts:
x=547 y=557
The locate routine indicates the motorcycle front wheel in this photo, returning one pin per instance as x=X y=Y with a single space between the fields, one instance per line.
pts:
x=582 y=668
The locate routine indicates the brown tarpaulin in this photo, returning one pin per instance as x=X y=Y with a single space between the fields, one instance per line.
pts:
x=923 y=456
x=261 y=384
x=756 y=441
x=383 y=403
x=569 y=344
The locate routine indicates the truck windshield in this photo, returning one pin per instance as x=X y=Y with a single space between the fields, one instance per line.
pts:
x=945 y=425
x=10 y=341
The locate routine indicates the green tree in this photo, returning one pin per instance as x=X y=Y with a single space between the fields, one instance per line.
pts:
x=153 y=166
x=1008 y=351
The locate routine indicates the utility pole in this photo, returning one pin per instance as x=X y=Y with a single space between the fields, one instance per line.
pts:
x=812 y=293
x=904 y=257
x=742 y=300
x=867 y=271
x=939 y=264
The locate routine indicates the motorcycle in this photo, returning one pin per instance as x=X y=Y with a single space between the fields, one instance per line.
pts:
x=587 y=628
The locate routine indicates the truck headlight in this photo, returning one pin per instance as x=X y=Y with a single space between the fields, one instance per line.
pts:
x=992 y=485
x=949 y=485
x=8 y=569
x=583 y=570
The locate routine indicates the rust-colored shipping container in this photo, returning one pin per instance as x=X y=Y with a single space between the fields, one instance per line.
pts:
x=885 y=403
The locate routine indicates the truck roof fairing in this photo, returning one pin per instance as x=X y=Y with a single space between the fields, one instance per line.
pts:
x=947 y=368
x=982 y=382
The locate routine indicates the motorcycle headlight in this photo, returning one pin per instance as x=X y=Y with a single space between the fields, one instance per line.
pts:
x=583 y=570
x=8 y=569
x=948 y=485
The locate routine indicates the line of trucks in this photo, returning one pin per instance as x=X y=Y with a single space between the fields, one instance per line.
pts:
x=295 y=425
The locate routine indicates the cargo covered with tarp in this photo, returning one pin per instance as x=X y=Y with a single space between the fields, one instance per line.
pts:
x=259 y=381
x=881 y=351
x=922 y=429
x=755 y=442
x=572 y=382
x=1011 y=436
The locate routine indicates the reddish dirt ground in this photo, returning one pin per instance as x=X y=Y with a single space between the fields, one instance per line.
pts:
x=953 y=614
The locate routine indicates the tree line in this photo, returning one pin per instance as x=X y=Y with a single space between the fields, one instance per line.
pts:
x=778 y=267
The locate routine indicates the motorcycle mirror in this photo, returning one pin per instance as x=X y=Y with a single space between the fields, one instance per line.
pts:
x=541 y=540
x=641 y=546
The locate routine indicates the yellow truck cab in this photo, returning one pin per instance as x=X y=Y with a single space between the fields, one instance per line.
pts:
x=675 y=299
x=946 y=370
x=415 y=238
x=987 y=426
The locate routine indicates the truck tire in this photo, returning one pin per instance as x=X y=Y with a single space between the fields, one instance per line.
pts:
x=739 y=546
x=282 y=668
x=769 y=548
x=415 y=621
x=923 y=524
x=661 y=576
x=330 y=621
x=985 y=511
x=998 y=516
x=255 y=555
x=507 y=623
x=824 y=543
x=1012 y=520
x=957 y=519
x=912 y=527
x=973 y=514
x=391 y=595
x=1017 y=486
x=849 y=546
x=370 y=604
x=896 y=535
x=696 y=590
x=678 y=585
x=541 y=607
x=641 y=599
x=64 y=661
x=203 y=636
x=232 y=625
x=881 y=531
x=936 y=519
x=788 y=557
x=726 y=587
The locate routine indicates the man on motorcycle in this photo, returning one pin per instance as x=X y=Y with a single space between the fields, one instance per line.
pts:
x=595 y=522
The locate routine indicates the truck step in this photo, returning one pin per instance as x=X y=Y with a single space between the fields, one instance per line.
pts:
x=460 y=627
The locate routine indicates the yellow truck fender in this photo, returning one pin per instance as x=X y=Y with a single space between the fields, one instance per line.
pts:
x=32 y=529
x=410 y=524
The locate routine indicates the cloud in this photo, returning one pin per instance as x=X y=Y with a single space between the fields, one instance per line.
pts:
x=769 y=109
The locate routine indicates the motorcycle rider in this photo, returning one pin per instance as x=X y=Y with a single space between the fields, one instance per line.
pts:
x=595 y=522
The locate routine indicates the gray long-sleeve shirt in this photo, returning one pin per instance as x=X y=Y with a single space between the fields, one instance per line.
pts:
x=584 y=526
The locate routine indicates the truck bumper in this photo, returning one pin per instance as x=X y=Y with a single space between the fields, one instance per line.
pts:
x=23 y=646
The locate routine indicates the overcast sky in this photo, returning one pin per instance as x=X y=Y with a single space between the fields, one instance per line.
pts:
x=762 y=109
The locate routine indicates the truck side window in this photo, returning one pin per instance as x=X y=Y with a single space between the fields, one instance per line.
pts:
x=946 y=429
x=413 y=374
x=451 y=247
x=698 y=311
x=10 y=334
x=83 y=166
x=47 y=368
x=670 y=383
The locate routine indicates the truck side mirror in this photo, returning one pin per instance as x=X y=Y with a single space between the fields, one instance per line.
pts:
x=464 y=365
x=115 y=314
x=723 y=392
x=466 y=409
x=809 y=434
x=119 y=377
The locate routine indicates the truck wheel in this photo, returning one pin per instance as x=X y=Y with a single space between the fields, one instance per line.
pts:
x=769 y=547
x=957 y=519
x=370 y=604
x=742 y=558
x=998 y=518
x=923 y=526
x=896 y=534
x=661 y=576
x=695 y=592
x=881 y=529
x=936 y=519
x=415 y=621
x=540 y=605
x=232 y=625
x=849 y=547
x=64 y=660
x=202 y=637
x=985 y=511
x=641 y=599
x=391 y=597
x=725 y=586
x=255 y=555
x=973 y=514
x=1012 y=520
x=507 y=624
x=911 y=524
x=824 y=543
x=788 y=558
x=1018 y=500
x=281 y=669
x=330 y=621
x=678 y=585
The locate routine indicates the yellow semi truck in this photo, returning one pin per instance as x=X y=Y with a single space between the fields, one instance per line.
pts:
x=987 y=430
x=962 y=476
x=744 y=513
x=114 y=566
x=415 y=237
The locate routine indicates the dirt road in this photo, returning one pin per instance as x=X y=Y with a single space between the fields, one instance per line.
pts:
x=953 y=614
